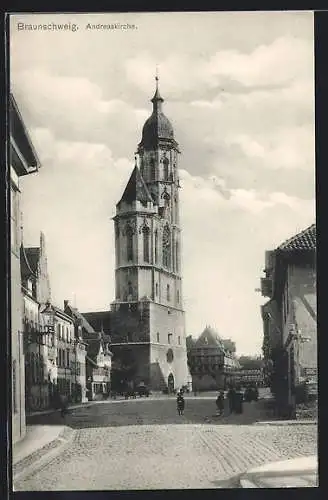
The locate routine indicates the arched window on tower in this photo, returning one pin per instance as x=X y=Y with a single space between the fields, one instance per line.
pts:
x=167 y=247
x=156 y=246
x=129 y=243
x=166 y=168
x=145 y=234
x=168 y=296
x=177 y=256
x=152 y=169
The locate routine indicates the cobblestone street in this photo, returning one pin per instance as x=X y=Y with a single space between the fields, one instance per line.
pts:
x=144 y=444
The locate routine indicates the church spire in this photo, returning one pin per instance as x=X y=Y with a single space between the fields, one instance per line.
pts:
x=157 y=99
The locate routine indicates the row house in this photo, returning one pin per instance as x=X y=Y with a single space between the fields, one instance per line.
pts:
x=211 y=365
x=290 y=317
x=98 y=357
x=35 y=291
x=68 y=355
x=54 y=355
x=23 y=161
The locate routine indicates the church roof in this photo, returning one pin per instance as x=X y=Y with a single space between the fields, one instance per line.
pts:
x=136 y=189
x=305 y=240
x=100 y=321
x=157 y=126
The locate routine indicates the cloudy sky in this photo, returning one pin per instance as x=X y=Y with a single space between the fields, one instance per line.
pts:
x=239 y=91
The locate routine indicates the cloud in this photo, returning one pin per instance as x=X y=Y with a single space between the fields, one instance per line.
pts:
x=285 y=148
x=240 y=96
x=74 y=109
x=281 y=62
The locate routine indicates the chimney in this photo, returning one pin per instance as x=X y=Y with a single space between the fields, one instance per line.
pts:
x=66 y=303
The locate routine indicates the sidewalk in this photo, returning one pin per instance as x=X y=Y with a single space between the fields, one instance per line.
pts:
x=287 y=422
x=37 y=437
x=40 y=445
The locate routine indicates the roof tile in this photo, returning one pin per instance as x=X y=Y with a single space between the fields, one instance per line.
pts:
x=305 y=240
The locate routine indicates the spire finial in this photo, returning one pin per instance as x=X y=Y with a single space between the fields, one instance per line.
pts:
x=156 y=77
x=157 y=99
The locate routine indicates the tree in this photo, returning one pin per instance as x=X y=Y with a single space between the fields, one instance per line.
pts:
x=229 y=345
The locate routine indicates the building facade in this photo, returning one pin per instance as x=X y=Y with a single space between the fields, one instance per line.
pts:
x=98 y=368
x=147 y=316
x=36 y=292
x=85 y=336
x=212 y=366
x=23 y=161
x=290 y=317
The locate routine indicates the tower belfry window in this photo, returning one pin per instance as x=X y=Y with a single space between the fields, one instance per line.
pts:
x=152 y=169
x=156 y=246
x=129 y=242
x=166 y=168
x=145 y=234
x=167 y=247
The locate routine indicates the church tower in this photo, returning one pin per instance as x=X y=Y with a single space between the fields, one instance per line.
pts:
x=147 y=317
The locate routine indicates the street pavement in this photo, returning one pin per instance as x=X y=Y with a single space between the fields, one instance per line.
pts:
x=144 y=444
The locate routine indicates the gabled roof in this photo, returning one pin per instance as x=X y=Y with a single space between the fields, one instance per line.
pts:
x=100 y=321
x=136 y=189
x=305 y=240
x=50 y=308
x=78 y=316
x=93 y=347
x=20 y=136
x=210 y=338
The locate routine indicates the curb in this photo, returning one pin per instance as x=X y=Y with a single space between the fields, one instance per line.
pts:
x=287 y=422
x=41 y=457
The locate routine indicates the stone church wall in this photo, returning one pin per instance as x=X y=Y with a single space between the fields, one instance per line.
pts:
x=130 y=321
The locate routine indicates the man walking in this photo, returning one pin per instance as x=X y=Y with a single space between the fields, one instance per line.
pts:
x=220 y=403
x=232 y=399
x=180 y=403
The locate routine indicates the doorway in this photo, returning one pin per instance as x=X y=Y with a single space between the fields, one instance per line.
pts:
x=170 y=383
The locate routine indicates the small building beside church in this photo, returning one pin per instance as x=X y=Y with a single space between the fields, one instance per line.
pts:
x=212 y=366
x=98 y=368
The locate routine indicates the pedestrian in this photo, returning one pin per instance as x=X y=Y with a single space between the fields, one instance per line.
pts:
x=239 y=397
x=180 y=403
x=220 y=403
x=232 y=399
x=63 y=405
